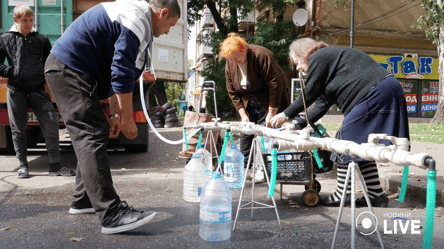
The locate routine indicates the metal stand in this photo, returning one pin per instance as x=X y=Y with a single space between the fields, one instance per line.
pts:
x=210 y=139
x=352 y=167
x=254 y=152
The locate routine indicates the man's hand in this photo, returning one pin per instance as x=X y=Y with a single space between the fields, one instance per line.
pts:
x=278 y=120
x=114 y=127
x=128 y=128
x=127 y=125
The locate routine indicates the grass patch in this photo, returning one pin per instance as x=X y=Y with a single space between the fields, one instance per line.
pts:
x=422 y=132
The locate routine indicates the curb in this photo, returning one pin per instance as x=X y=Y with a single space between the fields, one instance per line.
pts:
x=416 y=188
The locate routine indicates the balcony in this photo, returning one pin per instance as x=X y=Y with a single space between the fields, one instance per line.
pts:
x=207 y=21
x=247 y=24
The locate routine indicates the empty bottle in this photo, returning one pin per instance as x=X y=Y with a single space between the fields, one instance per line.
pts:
x=205 y=156
x=194 y=179
x=215 y=210
x=234 y=167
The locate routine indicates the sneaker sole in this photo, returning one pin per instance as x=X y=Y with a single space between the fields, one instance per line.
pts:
x=59 y=174
x=82 y=211
x=128 y=227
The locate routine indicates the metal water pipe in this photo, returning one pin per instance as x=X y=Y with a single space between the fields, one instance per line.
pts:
x=62 y=23
x=36 y=16
x=352 y=29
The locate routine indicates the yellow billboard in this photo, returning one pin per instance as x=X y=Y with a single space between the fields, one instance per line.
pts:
x=410 y=68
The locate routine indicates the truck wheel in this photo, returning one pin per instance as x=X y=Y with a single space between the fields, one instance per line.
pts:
x=136 y=148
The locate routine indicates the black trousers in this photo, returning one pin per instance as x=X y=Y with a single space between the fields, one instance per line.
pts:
x=88 y=128
x=247 y=140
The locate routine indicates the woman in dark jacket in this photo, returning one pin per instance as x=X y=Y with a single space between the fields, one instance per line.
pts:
x=371 y=99
x=255 y=83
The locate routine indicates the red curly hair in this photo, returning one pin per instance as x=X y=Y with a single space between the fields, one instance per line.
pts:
x=232 y=44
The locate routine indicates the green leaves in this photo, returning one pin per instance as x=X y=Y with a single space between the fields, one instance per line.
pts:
x=432 y=20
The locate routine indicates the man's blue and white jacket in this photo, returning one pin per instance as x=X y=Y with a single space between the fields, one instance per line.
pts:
x=108 y=43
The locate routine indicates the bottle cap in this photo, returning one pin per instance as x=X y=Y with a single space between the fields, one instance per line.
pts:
x=233 y=146
x=202 y=145
x=216 y=174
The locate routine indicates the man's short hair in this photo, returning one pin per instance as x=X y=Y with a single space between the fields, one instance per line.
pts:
x=171 y=5
x=22 y=10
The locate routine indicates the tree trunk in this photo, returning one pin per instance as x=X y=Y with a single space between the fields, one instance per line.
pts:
x=439 y=115
x=233 y=17
x=217 y=18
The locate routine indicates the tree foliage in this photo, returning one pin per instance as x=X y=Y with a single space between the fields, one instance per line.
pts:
x=174 y=93
x=432 y=20
x=233 y=11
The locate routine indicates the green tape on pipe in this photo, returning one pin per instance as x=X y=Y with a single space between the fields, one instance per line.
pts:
x=273 y=172
x=430 y=209
x=200 y=139
x=405 y=178
x=221 y=158
x=315 y=152
x=185 y=137
x=263 y=144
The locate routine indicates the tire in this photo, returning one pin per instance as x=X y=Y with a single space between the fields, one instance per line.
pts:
x=173 y=119
x=159 y=125
x=155 y=109
x=138 y=148
x=171 y=110
x=154 y=119
x=171 y=124
x=158 y=122
x=152 y=114
x=157 y=114
x=167 y=106
x=167 y=116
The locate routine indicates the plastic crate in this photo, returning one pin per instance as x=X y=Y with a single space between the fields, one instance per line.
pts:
x=291 y=166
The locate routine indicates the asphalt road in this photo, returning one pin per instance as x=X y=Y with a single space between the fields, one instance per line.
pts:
x=34 y=211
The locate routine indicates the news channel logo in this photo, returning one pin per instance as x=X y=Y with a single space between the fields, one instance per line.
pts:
x=393 y=223
x=366 y=223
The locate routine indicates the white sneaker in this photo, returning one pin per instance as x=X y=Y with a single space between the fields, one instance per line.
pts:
x=81 y=211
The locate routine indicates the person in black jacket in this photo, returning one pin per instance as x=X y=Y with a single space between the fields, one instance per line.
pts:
x=26 y=51
x=371 y=99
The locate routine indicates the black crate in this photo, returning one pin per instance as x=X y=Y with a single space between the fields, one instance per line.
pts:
x=291 y=166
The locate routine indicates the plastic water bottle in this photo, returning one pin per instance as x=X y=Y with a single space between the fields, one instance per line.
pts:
x=205 y=156
x=194 y=179
x=215 y=210
x=234 y=167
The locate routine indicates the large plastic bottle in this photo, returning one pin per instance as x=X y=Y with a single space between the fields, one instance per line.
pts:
x=215 y=210
x=234 y=167
x=205 y=156
x=194 y=179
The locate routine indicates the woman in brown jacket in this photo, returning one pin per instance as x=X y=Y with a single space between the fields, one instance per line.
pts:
x=255 y=83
